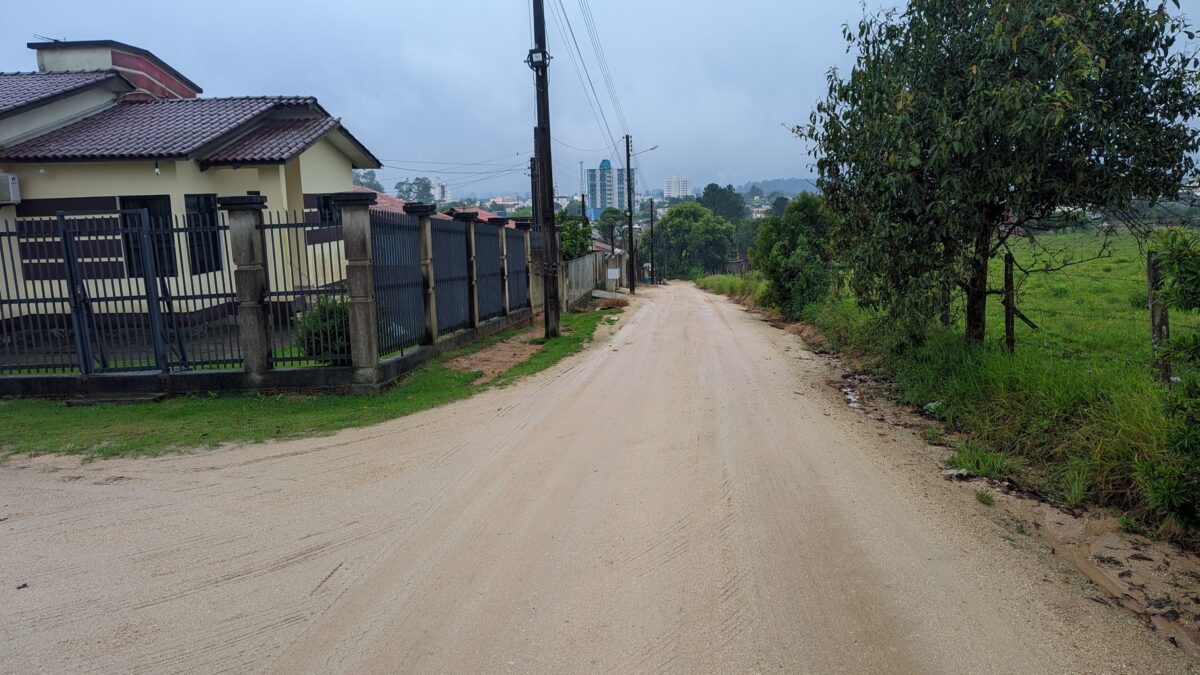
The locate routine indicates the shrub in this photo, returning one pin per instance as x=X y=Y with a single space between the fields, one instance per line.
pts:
x=792 y=253
x=323 y=331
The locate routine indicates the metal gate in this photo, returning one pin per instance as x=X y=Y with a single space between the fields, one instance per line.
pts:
x=132 y=292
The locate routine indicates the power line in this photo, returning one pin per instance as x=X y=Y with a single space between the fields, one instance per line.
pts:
x=582 y=72
x=568 y=145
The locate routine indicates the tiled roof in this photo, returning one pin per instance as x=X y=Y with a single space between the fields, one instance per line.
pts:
x=149 y=130
x=275 y=141
x=386 y=202
x=21 y=89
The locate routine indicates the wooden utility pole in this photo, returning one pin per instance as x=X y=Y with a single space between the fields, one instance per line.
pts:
x=1160 y=327
x=539 y=61
x=629 y=245
x=583 y=212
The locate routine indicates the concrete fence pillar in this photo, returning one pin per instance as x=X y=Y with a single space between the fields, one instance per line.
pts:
x=424 y=214
x=502 y=233
x=472 y=278
x=360 y=282
x=248 y=246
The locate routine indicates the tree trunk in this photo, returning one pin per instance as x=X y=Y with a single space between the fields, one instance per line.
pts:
x=977 y=286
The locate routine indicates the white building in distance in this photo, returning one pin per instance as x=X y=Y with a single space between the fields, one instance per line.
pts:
x=676 y=187
x=441 y=191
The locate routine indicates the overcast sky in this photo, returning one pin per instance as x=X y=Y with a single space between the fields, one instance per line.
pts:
x=716 y=85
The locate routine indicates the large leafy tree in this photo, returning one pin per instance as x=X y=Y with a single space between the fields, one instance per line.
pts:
x=690 y=238
x=419 y=189
x=965 y=123
x=792 y=252
x=367 y=179
x=725 y=202
x=612 y=226
x=575 y=235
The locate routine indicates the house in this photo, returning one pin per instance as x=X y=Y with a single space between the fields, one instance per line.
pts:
x=125 y=146
x=105 y=125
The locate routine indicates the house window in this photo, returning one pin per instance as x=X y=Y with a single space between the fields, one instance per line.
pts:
x=158 y=210
x=203 y=234
x=329 y=213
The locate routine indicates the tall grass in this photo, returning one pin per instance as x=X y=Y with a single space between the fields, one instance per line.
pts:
x=750 y=288
x=1075 y=414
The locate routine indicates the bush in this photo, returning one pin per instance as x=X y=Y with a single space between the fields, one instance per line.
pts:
x=792 y=253
x=323 y=331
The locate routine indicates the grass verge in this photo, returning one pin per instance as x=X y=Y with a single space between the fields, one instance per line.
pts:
x=37 y=427
x=1075 y=415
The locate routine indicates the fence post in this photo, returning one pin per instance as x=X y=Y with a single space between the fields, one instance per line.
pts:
x=248 y=246
x=472 y=279
x=503 y=233
x=360 y=281
x=1160 y=326
x=424 y=213
x=1010 y=306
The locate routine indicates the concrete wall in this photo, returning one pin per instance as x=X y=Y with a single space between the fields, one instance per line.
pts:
x=325 y=169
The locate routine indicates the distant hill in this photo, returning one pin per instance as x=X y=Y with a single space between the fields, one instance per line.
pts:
x=788 y=186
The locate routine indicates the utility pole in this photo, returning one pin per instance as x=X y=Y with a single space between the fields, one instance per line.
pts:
x=653 y=243
x=583 y=211
x=629 y=246
x=539 y=61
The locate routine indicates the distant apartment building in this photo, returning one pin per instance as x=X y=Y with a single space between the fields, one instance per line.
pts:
x=677 y=188
x=605 y=189
x=441 y=191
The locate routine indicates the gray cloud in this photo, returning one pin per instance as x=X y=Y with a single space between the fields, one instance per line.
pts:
x=714 y=84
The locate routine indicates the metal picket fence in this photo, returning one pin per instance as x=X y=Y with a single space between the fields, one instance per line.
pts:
x=451 y=275
x=399 y=282
x=585 y=275
x=306 y=290
x=489 y=276
x=116 y=291
x=518 y=269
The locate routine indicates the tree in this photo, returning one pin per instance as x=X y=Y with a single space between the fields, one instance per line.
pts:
x=965 y=123
x=611 y=223
x=755 y=192
x=744 y=233
x=419 y=189
x=367 y=179
x=573 y=208
x=792 y=253
x=576 y=237
x=690 y=238
x=725 y=202
x=779 y=205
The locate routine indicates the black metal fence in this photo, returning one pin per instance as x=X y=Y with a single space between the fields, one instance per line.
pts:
x=116 y=291
x=451 y=275
x=518 y=269
x=306 y=290
x=489 y=276
x=399 y=281
x=134 y=291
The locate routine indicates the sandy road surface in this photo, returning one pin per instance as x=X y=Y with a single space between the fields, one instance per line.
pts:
x=689 y=497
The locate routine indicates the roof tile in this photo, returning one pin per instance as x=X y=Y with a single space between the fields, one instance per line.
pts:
x=149 y=130
x=275 y=141
x=21 y=89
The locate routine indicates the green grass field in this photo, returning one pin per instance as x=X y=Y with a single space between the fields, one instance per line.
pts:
x=34 y=427
x=1074 y=413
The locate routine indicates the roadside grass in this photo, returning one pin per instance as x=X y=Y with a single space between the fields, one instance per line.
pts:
x=1075 y=414
x=38 y=427
x=985 y=498
x=750 y=288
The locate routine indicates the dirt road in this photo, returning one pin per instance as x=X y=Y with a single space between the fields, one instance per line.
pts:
x=689 y=497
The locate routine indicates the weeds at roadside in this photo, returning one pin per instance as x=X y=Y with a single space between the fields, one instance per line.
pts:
x=932 y=436
x=985 y=498
x=978 y=460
